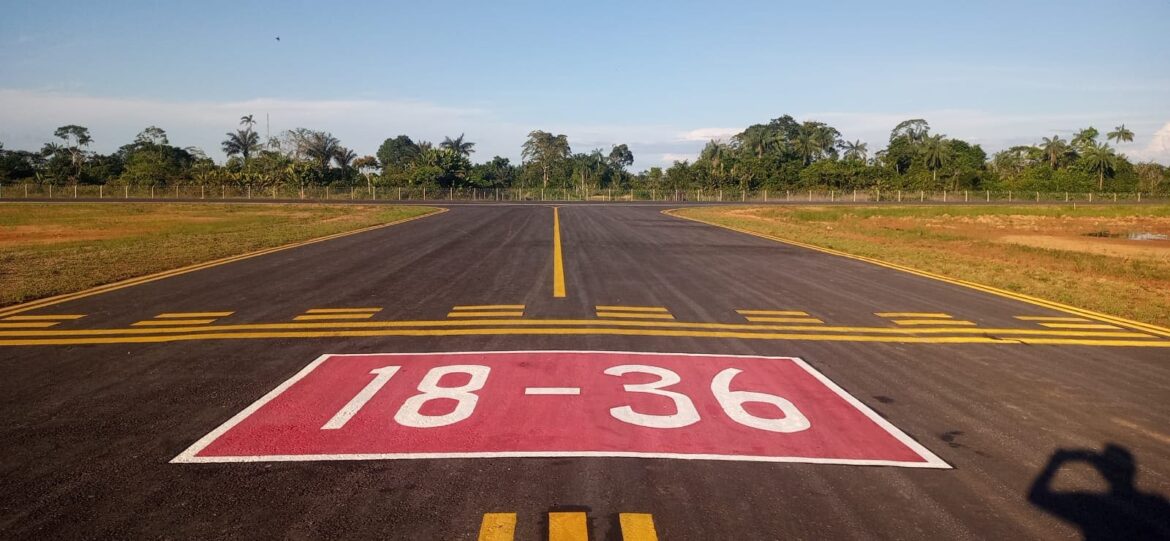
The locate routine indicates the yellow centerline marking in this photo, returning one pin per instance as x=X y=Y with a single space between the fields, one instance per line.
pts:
x=913 y=314
x=49 y=301
x=1035 y=301
x=28 y=325
x=442 y=323
x=162 y=322
x=558 y=257
x=489 y=307
x=45 y=317
x=584 y=331
x=610 y=307
x=637 y=527
x=181 y=315
x=634 y=315
x=771 y=313
x=784 y=319
x=497 y=527
x=342 y=310
x=933 y=322
x=1052 y=318
x=350 y=315
x=567 y=527
x=485 y=314
x=1079 y=326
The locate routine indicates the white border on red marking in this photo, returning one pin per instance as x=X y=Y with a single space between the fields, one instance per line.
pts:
x=930 y=460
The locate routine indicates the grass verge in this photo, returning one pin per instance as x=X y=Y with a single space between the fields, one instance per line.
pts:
x=51 y=249
x=1077 y=256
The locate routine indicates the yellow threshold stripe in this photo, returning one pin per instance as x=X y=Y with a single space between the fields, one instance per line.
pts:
x=28 y=325
x=558 y=257
x=584 y=331
x=637 y=527
x=485 y=314
x=445 y=323
x=771 y=313
x=1036 y=301
x=488 y=307
x=933 y=322
x=58 y=299
x=610 y=308
x=372 y=310
x=350 y=315
x=1079 y=326
x=1052 y=318
x=181 y=315
x=497 y=527
x=913 y=314
x=45 y=317
x=635 y=315
x=784 y=320
x=567 y=527
x=163 y=322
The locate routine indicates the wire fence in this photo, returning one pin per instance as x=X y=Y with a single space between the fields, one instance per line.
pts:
x=415 y=193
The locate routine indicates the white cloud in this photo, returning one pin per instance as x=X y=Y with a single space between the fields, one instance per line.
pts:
x=1156 y=149
x=671 y=157
x=707 y=134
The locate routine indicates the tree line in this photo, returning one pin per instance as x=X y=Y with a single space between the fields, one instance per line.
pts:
x=782 y=154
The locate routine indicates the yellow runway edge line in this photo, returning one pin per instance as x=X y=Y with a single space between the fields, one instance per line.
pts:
x=558 y=257
x=1036 y=301
x=49 y=301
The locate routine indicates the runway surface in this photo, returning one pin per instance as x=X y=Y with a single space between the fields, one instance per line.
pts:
x=821 y=396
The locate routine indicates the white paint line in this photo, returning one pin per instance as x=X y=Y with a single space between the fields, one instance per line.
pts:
x=552 y=390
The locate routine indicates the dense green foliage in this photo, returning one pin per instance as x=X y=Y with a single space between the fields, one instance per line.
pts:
x=782 y=154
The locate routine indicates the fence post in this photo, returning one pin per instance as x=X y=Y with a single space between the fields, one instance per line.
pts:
x=1114 y=197
x=743 y=195
x=1037 y=197
x=249 y=191
x=965 y=199
x=26 y=190
x=75 y=191
x=1090 y=197
x=899 y=196
x=274 y=192
x=944 y=196
x=176 y=191
x=854 y=195
x=810 y=196
x=201 y=192
x=765 y=195
x=126 y=191
x=101 y=191
x=1009 y=196
x=1066 y=197
x=988 y=196
x=50 y=191
x=1139 y=197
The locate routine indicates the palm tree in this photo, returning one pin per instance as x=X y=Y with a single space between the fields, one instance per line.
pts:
x=1120 y=134
x=321 y=147
x=936 y=154
x=242 y=142
x=1100 y=159
x=345 y=159
x=855 y=150
x=1053 y=149
x=457 y=145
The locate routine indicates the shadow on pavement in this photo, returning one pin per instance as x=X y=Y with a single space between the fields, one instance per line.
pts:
x=1120 y=513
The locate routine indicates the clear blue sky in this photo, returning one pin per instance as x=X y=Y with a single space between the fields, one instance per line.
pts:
x=659 y=76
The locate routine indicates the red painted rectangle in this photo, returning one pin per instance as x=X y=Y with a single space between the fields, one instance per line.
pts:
x=560 y=403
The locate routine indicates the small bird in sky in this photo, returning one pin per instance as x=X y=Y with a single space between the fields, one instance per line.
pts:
x=277 y=38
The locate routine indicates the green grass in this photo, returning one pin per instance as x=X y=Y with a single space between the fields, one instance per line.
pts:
x=1132 y=287
x=50 y=249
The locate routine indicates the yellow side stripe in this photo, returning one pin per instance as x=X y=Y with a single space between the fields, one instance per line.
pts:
x=485 y=314
x=771 y=313
x=28 y=325
x=637 y=527
x=609 y=307
x=342 y=310
x=933 y=322
x=913 y=314
x=497 y=527
x=568 y=527
x=181 y=315
x=45 y=317
x=161 y=322
x=634 y=315
x=352 y=315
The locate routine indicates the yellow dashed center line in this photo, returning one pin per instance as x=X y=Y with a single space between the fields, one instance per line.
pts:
x=784 y=320
x=1079 y=326
x=182 y=315
x=485 y=314
x=353 y=315
x=637 y=527
x=916 y=315
x=635 y=315
x=342 y=310
x=45 y=317
x=934 y=322
x=558 y=257
x=488 y=307
x=162 y=322
x=28 y=325
x=1053 y=318
x=771 y=313
x=610 y=307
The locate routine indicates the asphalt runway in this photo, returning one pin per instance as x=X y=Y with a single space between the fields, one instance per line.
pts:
x=935 y=410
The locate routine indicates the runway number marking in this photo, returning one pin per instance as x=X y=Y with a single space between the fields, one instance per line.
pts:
x=557 y=404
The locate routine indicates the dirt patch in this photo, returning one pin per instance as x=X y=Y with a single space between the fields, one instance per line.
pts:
x=25 y=235
x=1157 y=250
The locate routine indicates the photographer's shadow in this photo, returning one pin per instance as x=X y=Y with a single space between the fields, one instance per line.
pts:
x=1120 y=513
